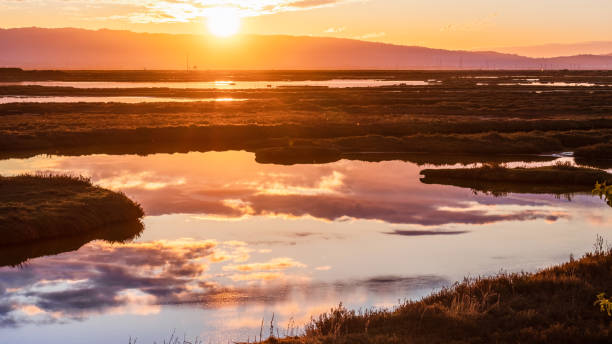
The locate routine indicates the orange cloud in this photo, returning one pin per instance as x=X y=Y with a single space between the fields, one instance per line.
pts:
x=272 y=265
x=184 y=11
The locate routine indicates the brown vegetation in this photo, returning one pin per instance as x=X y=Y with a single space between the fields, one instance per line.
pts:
x=598 y=151
x=494 y=179
x=36 y=207
x=455 y=116
x=560 y=174
x=297 y=155
x=555 y=305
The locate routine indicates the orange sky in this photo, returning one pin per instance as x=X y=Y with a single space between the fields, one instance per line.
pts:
x=449 y=24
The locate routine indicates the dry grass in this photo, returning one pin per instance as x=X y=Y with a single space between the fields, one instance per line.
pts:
x=45 y=206
x=598 y=151
x=256 y=137
x=555 y=305
x=559 y=174
x=456 y=116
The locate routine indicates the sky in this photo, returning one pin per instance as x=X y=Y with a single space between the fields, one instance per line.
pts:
x=448 y=24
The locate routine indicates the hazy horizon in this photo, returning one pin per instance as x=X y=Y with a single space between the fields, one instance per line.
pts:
x=75 y=48
x=544 y=50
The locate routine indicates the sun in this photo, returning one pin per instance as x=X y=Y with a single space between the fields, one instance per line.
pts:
x=223 y=22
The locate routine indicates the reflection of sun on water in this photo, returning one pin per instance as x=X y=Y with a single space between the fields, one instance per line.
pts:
x=223 y=22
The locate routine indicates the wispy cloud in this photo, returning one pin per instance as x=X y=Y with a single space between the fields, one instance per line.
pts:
x=371 y=35
x=176 y=11
x=336 y=29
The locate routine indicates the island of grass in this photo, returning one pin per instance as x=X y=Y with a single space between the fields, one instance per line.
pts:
x=39 y=207
x=564 y=175
x=562 y=304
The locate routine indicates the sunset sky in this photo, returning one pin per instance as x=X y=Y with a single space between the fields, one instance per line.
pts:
x=449 y=24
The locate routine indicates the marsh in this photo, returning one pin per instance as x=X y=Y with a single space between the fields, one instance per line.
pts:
x=228 y=241
x=293 y=199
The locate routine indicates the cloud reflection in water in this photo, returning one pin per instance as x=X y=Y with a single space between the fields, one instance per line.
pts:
x=231 y=185
x=300 y=235
x=139 y=278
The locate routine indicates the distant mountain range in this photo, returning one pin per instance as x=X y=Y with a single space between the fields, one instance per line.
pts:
x=554 y=50
x=108 y=49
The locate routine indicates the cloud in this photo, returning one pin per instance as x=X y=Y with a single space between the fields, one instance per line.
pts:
x=408 y=211
x=371 y=35
x=177 y=11
x=257 y=276
x=272 y=265
x=139 y=278
x=387 y=191
x=336 y=29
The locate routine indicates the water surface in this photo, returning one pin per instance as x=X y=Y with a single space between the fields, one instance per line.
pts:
x=228 y=242
x=108 y=99
x=224 y=85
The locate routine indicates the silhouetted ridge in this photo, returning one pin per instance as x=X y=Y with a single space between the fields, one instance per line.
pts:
x=110 y=49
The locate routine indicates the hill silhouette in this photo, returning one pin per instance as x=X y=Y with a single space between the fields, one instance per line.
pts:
x=560 y=49
x=70 y=48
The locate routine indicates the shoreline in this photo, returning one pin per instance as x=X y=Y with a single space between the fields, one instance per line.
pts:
x=555 y=304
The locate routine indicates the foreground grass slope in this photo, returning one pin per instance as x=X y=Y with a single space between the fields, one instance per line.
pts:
x=555 y=305
x=35 y=207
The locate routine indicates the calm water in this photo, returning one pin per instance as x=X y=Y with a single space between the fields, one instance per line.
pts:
x=226 y=85
x=127 y=100
x=228 y=242
x=553 y=84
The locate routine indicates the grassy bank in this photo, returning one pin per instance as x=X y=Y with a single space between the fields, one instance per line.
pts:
x=37 y=207
x=561 y=175
x=346 y=140
x=555 y=305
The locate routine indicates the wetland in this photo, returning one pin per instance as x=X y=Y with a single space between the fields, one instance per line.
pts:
x=296 y=199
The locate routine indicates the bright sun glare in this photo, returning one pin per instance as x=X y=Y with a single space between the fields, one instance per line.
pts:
x=223 y=22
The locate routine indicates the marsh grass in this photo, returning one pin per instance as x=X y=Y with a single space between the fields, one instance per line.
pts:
x=597 y=151
x=560 y=174
x=604 y=191
x=346 y=140
x=557 y=304
x=46 y=205
x=457 y=117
